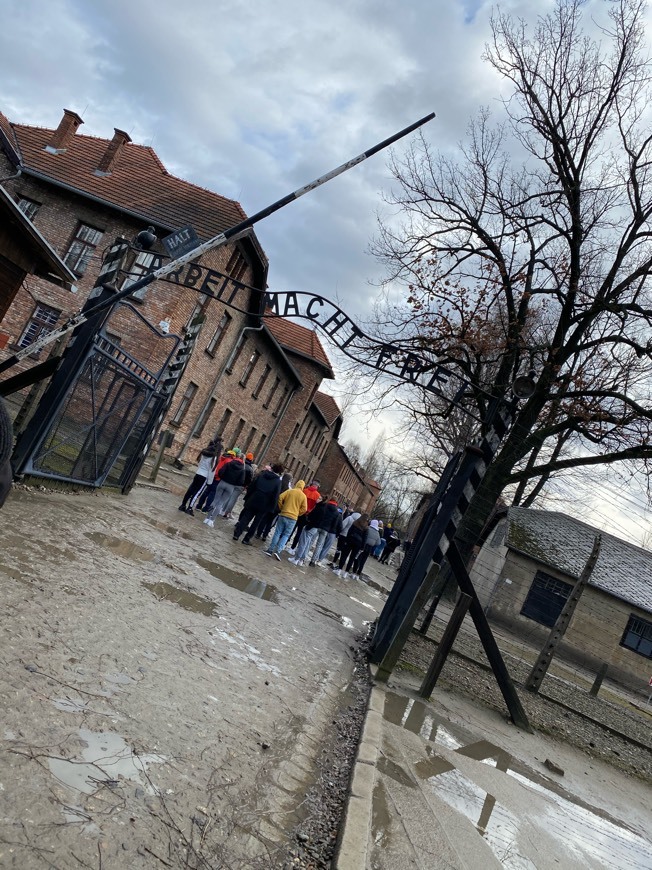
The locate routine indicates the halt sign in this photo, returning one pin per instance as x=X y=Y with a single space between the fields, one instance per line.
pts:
x=181 y=241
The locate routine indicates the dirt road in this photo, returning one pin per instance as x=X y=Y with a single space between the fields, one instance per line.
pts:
x=166 y=691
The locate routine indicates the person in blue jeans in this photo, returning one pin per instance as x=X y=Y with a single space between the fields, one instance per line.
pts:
x=292 y=504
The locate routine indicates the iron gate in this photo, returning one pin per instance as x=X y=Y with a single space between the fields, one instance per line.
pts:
x=111 y=405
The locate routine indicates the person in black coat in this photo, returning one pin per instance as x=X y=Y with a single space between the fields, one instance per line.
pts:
x=261 y=500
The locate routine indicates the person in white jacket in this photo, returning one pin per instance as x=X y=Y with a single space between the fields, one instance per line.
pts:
x=204 y=474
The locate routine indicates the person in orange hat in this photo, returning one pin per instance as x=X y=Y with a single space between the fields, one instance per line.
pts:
x=250 y=469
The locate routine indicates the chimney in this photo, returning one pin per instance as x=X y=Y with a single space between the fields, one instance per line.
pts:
x=113 y=149
x=64 y=132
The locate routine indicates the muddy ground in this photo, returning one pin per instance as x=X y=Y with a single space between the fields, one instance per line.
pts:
x=167 y=692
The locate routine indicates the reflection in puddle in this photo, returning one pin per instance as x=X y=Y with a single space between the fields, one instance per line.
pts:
x=121 y=547
x=257 y=588
x=185 y=599
x=380 y=817
x=585 y=834
x=171 y=530
x=419 y=718
x=104 y=760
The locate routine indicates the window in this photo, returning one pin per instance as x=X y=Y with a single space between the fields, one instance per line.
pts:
x=28 y=206
x=184 y=404
x=237 y=432
x=204 y=417
x=638 y=636
x=261 y=382
x=235 y=356
x=248 y=369
x=42 y=321
x=249 y=443
x=546 y=599
x=82 y=247
x=220 y=332
x=277 y=409
x=224 y=422
x=144 y=263
x=292 y=436
x=259 y=446
x=269 y=398
x=236 y=266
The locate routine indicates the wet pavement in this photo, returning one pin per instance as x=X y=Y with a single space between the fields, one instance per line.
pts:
x=166 y=692
x=456 y=786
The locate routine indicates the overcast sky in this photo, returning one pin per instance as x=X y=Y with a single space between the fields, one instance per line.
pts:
x=254 y=99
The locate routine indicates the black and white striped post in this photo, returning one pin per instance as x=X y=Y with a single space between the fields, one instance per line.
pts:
x=102 y=303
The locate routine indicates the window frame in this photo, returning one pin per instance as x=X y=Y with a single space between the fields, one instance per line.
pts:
x=645 y=635
x=548 y=585
x=42 y=325
x=250 y=365
x=186 y=401
x=218 y=335
x=33 y=206
x=270 y=395
x=261 y=381
x=204 y=417
x=225 y=419
x=83 y=249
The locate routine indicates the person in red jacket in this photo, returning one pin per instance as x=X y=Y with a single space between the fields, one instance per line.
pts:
x=312 y=497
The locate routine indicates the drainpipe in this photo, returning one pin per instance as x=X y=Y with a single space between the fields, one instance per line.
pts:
x=279 y=420
x=16 y=174
x=216 y=382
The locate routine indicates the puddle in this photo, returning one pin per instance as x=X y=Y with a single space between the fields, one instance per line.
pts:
x=419 y=718
x=395 y=771
x=344 y=620
x=563 y=823
x=170 y=530
x=363 y=603
x=185 y=599
x=380 y=817
x=241 y=582
x=243 y=651
x=121 y=547
x=105 y=759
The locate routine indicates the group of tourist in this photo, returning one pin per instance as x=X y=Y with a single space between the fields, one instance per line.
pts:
x=274 y=506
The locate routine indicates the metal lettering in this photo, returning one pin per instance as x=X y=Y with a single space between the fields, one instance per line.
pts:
x=309 y=312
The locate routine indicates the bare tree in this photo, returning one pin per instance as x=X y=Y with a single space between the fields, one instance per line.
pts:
x=534 y=250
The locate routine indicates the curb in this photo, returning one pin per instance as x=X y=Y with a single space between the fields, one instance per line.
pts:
x=356 y=830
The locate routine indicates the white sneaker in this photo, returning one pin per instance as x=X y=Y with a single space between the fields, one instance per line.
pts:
x=293 y=561
x=345 y=576
x=337 y=571
x=292 y=552
x=209 y=522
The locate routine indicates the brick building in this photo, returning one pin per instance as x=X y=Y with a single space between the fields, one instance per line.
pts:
x=346 y=480
x=252 y=381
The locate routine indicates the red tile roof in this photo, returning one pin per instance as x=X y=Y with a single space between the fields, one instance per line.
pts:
x=294 y=337
x=138 y=183
x=327 y=406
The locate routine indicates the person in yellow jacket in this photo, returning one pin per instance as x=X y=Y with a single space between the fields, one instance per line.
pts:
x=292 y=504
